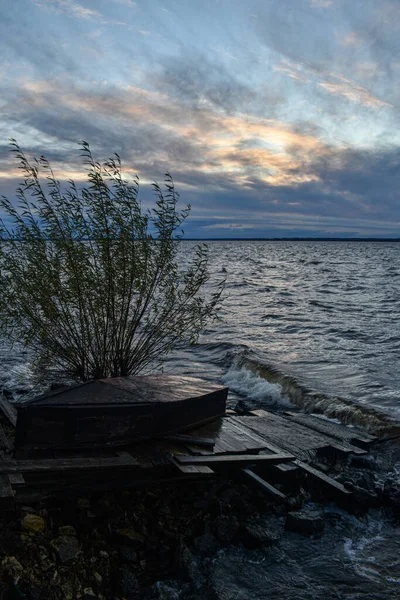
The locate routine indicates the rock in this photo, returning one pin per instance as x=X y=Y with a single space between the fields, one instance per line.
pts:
x=166 y=590
x=365 y=498
x=205 y=544
x=130 y=537
x=127 y=554
x=263 y=531
x=306 y=521
x=126 y=584
x=39 y=593
x=12 y=567
x=88 y=594
x=98 y=578
x=67 y=530
x=67 y=590
x=226 y=529
x=33 y=523
x=66 y=548
x=190 y=566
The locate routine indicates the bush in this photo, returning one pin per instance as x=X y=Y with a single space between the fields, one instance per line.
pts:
x=92 y=282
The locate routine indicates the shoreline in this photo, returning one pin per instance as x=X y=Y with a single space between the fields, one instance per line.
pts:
x=191 y=541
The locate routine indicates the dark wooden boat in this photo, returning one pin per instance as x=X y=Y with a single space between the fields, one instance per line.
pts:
x=111 y=412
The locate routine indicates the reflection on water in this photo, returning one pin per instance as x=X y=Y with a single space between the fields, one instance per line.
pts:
x=323 y=313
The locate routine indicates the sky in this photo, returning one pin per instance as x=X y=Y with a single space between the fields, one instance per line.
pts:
x=275 y=118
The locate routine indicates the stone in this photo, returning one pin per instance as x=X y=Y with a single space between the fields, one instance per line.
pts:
x=226 y=528
x=126 y=584
x=88 y=594
x=190 y=566
x=33 y=523
x=364 y=497
x=66 y=548
x=166 y=590
x=306 y=521
x=127 y=554
x=130 y=537
x=12 y=567
x=263 y=531
x=67 y=530
x=206 y=544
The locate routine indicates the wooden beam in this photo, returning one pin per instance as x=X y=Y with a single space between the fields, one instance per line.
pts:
x=266 y=487
x=193 y=469
x=7 y=494
x=4 y=441
x=341 y=432
x=191 y=439
x=324 y=479
x=9 y=411
x=50 y=465
x=235 y=459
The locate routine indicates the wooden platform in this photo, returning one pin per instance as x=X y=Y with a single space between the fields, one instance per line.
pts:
x=260 y=446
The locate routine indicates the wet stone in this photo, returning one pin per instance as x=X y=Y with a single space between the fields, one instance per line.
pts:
x=226 y=528
x=306 y=521
x=263 y=531
x=67 y=530
x=206 y=544
x=33 y=523
x=66 y=548
x=126 y=584
x=127 y=554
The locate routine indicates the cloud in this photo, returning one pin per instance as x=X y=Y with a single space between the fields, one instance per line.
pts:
x=351 y=39
x=334 y=83
x=129 y=3
x=353 y=92
x=71 y=8
x=321 y=3
x=76 y=10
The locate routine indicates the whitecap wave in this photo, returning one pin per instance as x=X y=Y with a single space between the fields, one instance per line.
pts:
x=251 y=385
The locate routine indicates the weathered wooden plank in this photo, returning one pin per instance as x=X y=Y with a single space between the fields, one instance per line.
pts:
x=287 y=467
x=239 y=459
x=16 y=479
x=192 y=439
x=266 y=487
x=334 y=430
x=322 y=478
x=71 y=464
x=255 y=439
x=287 y=434
x=4 y=441
x=231 y=437
x=6 y=490
x=9 y=411
x=193 y=469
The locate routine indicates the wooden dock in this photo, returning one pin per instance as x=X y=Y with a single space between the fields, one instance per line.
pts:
x=263 y=447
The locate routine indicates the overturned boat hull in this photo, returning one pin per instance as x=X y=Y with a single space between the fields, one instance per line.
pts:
x=112 y=412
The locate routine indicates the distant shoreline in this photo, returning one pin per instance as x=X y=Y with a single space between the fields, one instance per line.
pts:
x=293 y=239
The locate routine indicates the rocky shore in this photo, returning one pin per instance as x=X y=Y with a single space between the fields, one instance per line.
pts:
x=219 y=540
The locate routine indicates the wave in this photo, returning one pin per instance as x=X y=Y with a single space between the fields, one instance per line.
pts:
x=250 y=384
x=266 y=384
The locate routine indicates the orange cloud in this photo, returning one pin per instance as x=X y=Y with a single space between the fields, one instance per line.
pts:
x=235 y=146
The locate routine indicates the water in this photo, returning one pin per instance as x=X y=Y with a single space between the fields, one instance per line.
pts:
x=317 y=323
x=321 y=316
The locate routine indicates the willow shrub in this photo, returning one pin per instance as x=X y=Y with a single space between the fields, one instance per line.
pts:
x=90 y=281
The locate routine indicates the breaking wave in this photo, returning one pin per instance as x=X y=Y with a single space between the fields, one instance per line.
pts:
x=269 y=387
